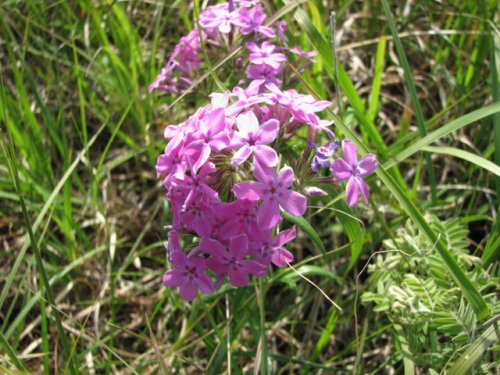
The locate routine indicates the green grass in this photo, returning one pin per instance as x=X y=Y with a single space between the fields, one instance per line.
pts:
x=82 y=214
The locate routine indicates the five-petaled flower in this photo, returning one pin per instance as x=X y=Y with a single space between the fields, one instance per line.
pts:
x=253 y=139
x=272 y=188
x=354 y=171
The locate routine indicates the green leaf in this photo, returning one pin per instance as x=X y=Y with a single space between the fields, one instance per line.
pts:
x=475 y=351
x=377 y=79
x=491 y=252
x=12 y=354
x=307 y=228
x=306 y=270
x=443 y=131
x=465 y=155
x=351 y=226
x=495 y=78
x=419 y=114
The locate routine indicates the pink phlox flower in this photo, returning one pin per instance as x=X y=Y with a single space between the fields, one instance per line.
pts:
x=188 y=273
x=211 y=135
x=216 y=220
x=265 y=55
x=272 y=189
x=187 y=59
x=301 y=107
x=252 y=20
x=218 y=17
x=247 y=97
x=281 y=28
x=264 y=72
x=184 y=59
x=196 y=217
x=354 y=171
x=252 y=138
x=196 y=184
x=240 y=217
x=303 y=55
x=171 y=163
x=272 y=247
x=231 y=259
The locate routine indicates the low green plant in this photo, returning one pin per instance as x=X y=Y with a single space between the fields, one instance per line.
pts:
x=432 y=323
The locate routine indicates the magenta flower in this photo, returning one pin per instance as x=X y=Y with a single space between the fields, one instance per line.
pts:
x=353 y=171
x=265 y=55
x=272 y=188
x=252 y=139
x=188 y=272
x=218 y=17
x=264 y=72
x=271 y=249
x=211 y=135
x=231 y=260
x=252 y=20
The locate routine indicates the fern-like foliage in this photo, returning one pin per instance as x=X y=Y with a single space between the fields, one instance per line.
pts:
x=411 y=285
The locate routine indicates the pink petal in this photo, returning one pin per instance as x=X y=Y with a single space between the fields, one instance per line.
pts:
x=173 y=278
x=247 y=122
x=352 y=192
x=188 y=291
x=367 y=165
x=266 y=156
x=266 y=31
x=264 y=174
x=269 y=214
x=363 y=187
x=238 y=278
x=286 y=236
x=213 y=247
x=267 y=132
x=204 y=283
x=250 y=190
x=178 y=258
x=254 y=267
x=225 y=27
x=217 y=265
x=217 y=120
x=220 y=141
x=285 y=177
x=202 y=159
x=293 y=203
x=238 y=246
x=241 y=155
x=341 y=170
x=350 y=153
x=281 y=257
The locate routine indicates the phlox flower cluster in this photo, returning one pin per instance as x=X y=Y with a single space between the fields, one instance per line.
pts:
x=217 y=23
x=226 y=177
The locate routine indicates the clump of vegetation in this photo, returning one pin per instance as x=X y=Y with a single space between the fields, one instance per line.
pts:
x=433 y=324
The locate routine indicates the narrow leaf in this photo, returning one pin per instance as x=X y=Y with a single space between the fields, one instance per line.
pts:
x=465 y=155
x=307 y=228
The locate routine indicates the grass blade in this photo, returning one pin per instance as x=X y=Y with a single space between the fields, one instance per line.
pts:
x=12 y=354
x=475 y=351
x=307 y=228
x=465 y=155
x=419 y=115
x=443 y=131
x=9 y=154
x=495 y=77
x=377 y=79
